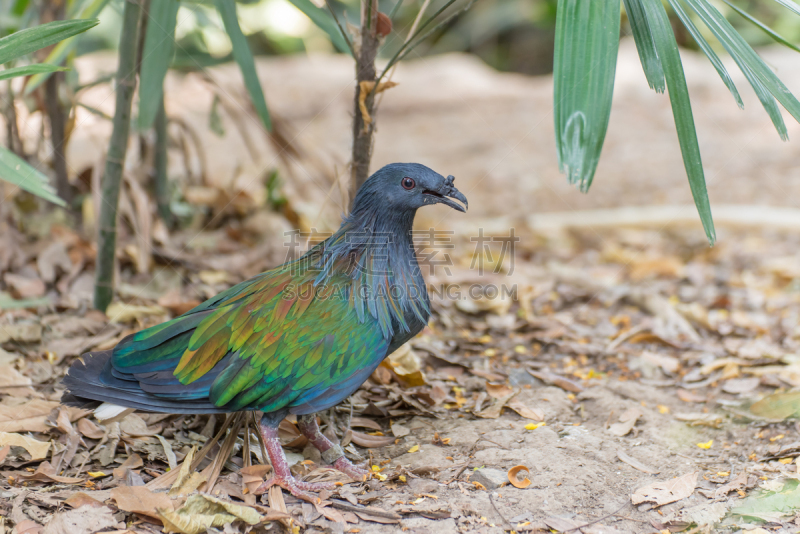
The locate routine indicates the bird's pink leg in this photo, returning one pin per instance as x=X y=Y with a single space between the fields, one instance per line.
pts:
x=331 y=453
x=281 y=474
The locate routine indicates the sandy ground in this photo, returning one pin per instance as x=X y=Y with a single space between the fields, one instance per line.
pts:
x=494 y=133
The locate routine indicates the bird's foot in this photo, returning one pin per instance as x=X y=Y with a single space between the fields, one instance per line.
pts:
x=350 y=469
x=298 y=488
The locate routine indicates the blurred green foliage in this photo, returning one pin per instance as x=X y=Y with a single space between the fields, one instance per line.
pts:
x=509 y=35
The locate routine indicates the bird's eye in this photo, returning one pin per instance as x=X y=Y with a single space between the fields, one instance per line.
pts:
x=408 y=183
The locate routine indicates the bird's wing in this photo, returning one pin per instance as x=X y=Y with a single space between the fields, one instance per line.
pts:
x=272 y=342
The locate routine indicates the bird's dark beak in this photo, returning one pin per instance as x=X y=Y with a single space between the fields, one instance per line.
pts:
x=458 y=195
x=448 y=191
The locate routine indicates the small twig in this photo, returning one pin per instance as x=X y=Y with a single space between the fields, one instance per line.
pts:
x=395 y=9
x=341 y=29
x=458 y=473
x=414 y=25
x=166 y=480
x=599 y=518
x=246 y=443
x=377 y=512
x=510 y=526
x=436 y=28
x=214 y=468
x=631 y=519
x=80 y=469
x=407 y=47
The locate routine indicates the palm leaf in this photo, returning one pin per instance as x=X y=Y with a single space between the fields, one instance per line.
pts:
x=29 y=40
x=60 y=51
x=17 y=171
x=324 y=21
x=27 y=70
x=763 y=27
x=244 y=57
x=744 y=54
x=645 y=46
x=667 y=49
x=708 y=51
x=159 y=44
x=585 y=59
x=790 y=5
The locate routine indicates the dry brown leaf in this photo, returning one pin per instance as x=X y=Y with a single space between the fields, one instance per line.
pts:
x=700 y=419
x=27 y=417
x=736 y=484
x=134 y=426
x=89 y=429
x=690 y=396
x=47 y=473
x=134 y=461
x=496 y=408
x=37 y=449
x=51 y=260
x=25 y=287
x=636 y=464
x=666 y=491
x=557 y=380
x=736 y=386
x=30 y=416
x=497 y=391
x=15 y=383
x=400 y=431
x=627 y=420
x=365 y=87
x=330 y=514
x=290 y=436
x=371 y=442
x=363 y=422
x=187 y=481
x=203 y=511
x=534 y=414
x=23 y=331
x=76 y=500
x=669 y=364
x=120 y=312
x=253 y=476
x=407 y=365
x=513 y=477
x=174 y=302
x=84 y=520
x=668 y=266
x=28 y=527
x=140 y=500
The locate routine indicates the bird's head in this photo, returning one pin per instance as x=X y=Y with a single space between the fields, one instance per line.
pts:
x=405 y=187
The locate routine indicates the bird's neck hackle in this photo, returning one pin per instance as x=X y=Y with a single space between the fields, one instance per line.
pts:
x=377 y=252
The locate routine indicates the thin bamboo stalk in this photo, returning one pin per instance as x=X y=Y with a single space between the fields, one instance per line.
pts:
x=167 y=479
x=117 y=149
x=160 y=166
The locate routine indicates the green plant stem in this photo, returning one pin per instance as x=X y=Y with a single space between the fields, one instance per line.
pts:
x=160 y=165
x=396 y=57
x=365 y=71
x=117 y=148
x=341 y=29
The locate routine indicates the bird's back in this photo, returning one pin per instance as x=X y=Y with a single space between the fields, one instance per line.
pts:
x=299 y=338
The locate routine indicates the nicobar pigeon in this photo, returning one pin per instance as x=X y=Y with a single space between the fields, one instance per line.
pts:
x=296 y=339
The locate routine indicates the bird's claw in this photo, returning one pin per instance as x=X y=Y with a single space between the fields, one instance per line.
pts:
x=298 y=488
x=350 y=469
